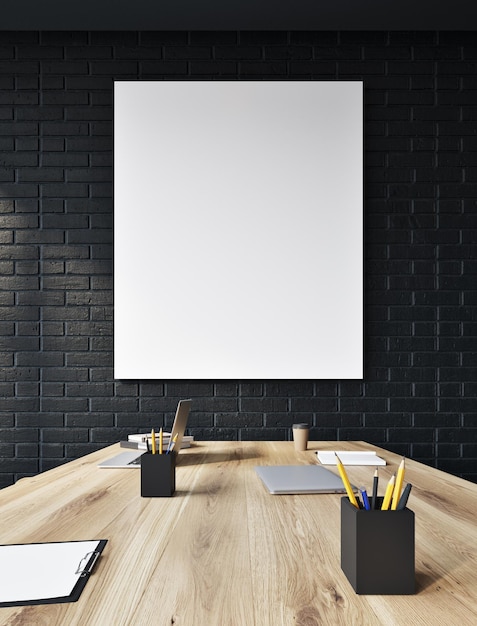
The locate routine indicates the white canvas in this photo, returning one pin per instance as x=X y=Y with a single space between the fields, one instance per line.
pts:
x=238 y=230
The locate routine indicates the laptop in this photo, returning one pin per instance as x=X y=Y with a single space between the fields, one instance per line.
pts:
x=296 y=479
x=132 y=458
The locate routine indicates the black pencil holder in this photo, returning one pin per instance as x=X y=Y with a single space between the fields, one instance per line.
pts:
x=158 y=475
x=377 y=549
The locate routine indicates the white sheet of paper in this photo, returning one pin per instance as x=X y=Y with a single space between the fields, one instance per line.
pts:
x=349 y=458
x=40 y=571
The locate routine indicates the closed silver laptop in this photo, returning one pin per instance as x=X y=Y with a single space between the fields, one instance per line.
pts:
x=296 y=479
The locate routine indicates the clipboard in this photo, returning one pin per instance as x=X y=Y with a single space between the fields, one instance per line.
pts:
x=46 y=573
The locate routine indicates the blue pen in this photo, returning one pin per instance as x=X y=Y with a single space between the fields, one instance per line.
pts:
x=172 y=443
x=364 y=495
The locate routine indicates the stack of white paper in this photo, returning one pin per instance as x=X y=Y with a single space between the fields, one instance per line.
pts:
x=367 y=457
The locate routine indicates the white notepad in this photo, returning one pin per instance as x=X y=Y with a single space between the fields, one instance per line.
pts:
x=367 y=457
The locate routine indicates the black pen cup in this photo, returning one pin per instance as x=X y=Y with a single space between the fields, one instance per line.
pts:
x=377 y=549
x=158 y=475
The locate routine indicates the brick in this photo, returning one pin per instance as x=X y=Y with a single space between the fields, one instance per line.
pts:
x=263 y=404
x=14 y=190
x=40 y=174
x=52 y=450
x=89 y=174
x=213 y=38
x=89 y=389
x=39 y=298
x=313 y=405
x=52 y=38
x=81 y=144
x=297 y=68
x=59 y=190
x=63 y=374
x=237 y=53
x=89 y=298
x=18 y=128
x=64 y=344
x=29 y=236
x=74 y=451
x=83 y=359
x=189 y=53
x=95 y=421
x=64 y=68
x=62 y=313
x=293 y=389
x=162 y=68
x=65 y=435
x=322 y=38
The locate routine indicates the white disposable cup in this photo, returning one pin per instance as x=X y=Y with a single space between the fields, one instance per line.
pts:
x=300 y=436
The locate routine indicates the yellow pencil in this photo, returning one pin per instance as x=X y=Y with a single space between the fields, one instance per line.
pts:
x=398 y=485
x=153 y=441
x=346 y=482
x=389 y=493
x=161 y=436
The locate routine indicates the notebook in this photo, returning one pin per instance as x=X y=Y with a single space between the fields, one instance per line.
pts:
x=296 y=479
x=132 y=458
x=359 y=457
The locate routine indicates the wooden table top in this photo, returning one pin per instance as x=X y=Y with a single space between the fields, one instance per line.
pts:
x=224 y=552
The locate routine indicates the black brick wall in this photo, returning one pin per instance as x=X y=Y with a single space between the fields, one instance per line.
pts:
x=58 y=396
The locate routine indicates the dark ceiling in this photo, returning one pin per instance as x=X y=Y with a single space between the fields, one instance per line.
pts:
x=240 y=15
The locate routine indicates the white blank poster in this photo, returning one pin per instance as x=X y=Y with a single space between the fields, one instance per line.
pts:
x=238 y=231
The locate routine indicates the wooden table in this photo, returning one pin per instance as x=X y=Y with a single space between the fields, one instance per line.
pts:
x=224 y=552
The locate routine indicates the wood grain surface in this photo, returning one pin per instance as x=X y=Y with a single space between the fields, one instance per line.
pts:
x=224 y=552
